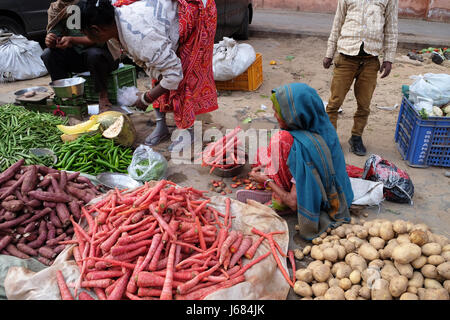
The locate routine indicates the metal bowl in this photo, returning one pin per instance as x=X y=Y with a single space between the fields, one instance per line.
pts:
x=68 y=88
x=36 y=89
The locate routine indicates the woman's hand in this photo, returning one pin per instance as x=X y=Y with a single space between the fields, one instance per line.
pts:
x=257 y=175
x=138 y=103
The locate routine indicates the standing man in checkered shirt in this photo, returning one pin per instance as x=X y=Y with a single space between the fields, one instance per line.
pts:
x=362 y=31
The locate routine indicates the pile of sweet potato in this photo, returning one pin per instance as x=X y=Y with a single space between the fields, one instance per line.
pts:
x=36 y=203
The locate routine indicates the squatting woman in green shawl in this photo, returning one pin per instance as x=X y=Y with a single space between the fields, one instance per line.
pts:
x=304 y=164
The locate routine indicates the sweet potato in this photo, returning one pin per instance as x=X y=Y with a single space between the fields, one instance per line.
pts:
x=8 y=215
x=30 y=180
x=4 y=241
x=74 y=208
x=12 y=250
x=46 y=252
x=27 y=249
x=63 y=214
x=34 y=203
x=15 y=222
x=48 y=204
x=38 y=215
x=11 y=171
x=12 y=188
x=49 y=196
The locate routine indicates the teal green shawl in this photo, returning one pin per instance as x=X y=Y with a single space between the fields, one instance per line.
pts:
x=316 y=161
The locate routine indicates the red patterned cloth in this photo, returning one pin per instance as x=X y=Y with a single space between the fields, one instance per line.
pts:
x=196 y=93
x=120 y=3
x=279 y=172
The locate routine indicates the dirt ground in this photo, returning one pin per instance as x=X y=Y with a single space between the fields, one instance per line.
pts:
x=300 y=60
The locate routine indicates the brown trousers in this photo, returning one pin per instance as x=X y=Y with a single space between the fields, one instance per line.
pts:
x=364 y=70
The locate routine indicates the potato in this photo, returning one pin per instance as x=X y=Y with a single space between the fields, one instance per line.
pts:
x=348 y=245
x=304 y=275
x=440 y=239
x=341 y=270
x=298 y=254
x=307 y=298
x=362 y=233
x=380 y=290
x=333 y=282
x=357 y=262
x=409 y=296
x=412 y=290
x=377 y=263
x=302 y=289
x=340 y=251
x=398 y=285
x=317 y=241
x=404 y=269
x=446 y=255
x=316 y=253
x=314 y=264
x=444 y=270
x=431 y=248
x=416 y=280
x=409 y=226
x=356 y=241
x=447 y=285
x=306 y=250
x=364 y=292
x=328 y=263
x=446 y=248
x=432 y=284
x=387 y=251
x=323 y=235
x=355 y=276
x=399 y=226
x=321 y=273
x=319 y=289
x=386 y=231
x=334 y=293
x=435 y=260
x=429 y=271
x=421 y=226
x=377 y=242
x=419 y=262
x=374 y=230
x=433 y=294
x=351 y=294
x=403 y=238
x=406 y=253
x=330 y=254
x=345 y=284
x=388 y=272
x=368 y=252
x=418 y=237
x=340 y=231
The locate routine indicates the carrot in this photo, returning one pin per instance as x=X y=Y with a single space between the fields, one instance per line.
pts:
x=100 y=293
x=202 y=293
x=187 y=286
x=155 y=258
x=252 y=250
x=118 y=250
x=163 y=224
x=223 y=233
x=150 y=279
x=236 y=243
x=131 y=286
x=166 y=293
x=149 y=292
x=200 y=233
x=99 y=283
x=113 y=262
x=244 y=246
x=85 y=296
x=120 y=287
x=232 y=236
x=131 y=254
x=63 y=288
x=162 y=204
x=292 y=261
x=98 y=274
x=227 y=213
x=251 y=264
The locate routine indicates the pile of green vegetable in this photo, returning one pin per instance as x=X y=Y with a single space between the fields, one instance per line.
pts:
x=22 y=130
x=93 y=154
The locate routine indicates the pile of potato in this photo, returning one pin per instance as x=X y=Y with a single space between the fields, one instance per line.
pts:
x=376 y=260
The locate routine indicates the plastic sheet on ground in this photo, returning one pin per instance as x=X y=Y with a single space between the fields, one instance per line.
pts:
x=264 y=280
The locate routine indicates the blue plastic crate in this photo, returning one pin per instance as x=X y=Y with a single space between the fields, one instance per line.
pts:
x=422 y=143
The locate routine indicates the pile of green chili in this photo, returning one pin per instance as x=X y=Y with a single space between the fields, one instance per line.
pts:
x=93 y=154
x=22 y=130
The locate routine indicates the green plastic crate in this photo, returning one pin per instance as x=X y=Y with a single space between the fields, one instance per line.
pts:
x=123 y=77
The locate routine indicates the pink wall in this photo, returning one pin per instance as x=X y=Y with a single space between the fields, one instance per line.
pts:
x=435 y=10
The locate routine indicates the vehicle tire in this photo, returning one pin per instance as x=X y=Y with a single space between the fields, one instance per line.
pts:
x=243 y=33
x=8 y=24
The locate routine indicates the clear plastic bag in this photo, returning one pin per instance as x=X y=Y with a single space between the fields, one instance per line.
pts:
x=126 y=96
x=432 y=86
x=147 y=164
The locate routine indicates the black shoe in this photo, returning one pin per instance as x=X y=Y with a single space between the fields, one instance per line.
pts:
x=357 y=146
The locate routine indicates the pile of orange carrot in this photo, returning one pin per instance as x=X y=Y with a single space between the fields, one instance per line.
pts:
x=224 y=153
x=162 y=242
